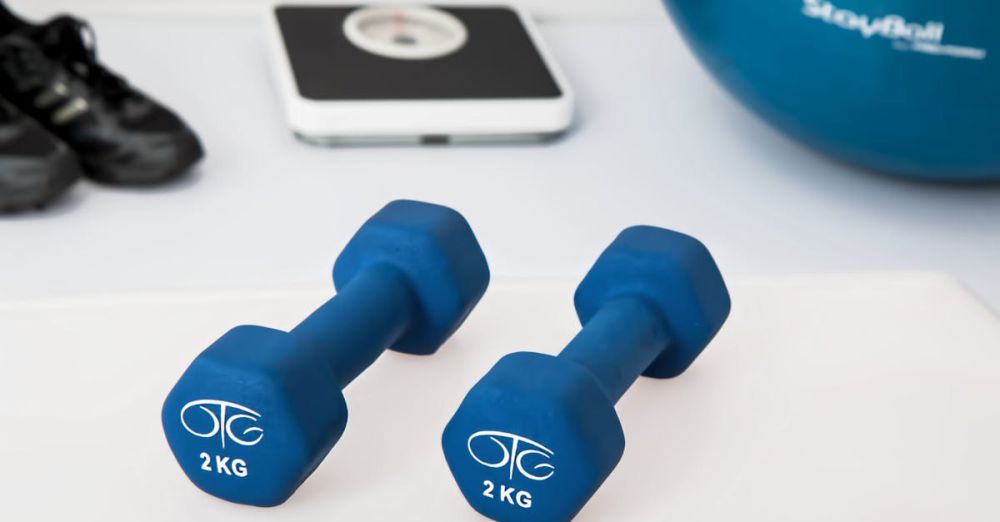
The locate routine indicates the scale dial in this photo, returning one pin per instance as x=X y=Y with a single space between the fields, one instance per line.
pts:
x=405 y=33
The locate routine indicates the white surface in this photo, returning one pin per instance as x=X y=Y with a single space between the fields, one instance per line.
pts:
x=520 y=119
x=557 y=9
x=861 y=398
x=657 y=143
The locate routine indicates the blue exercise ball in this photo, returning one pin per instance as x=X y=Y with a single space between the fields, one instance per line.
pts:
x=906 y=87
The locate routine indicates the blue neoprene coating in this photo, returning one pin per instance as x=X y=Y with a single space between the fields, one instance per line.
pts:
x=365 y=317
x=637 y=335
x=258 y=410
x=536 y=437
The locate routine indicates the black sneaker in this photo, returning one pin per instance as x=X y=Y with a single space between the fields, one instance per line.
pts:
x=51 y=72
x=35 y=167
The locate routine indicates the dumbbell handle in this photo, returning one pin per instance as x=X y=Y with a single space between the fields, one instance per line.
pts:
x=365 y=317
x=618 y=343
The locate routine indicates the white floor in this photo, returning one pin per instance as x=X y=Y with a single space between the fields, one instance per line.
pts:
x=657 y=142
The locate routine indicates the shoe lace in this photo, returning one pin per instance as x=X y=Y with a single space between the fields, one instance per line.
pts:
x=73 y=42
x=24 y=64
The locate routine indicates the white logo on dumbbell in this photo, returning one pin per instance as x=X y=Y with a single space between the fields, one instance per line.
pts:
x=223 y=414
x=519 y=447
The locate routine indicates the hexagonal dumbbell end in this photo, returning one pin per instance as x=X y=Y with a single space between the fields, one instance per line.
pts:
x=257 y=411
x=535 y=438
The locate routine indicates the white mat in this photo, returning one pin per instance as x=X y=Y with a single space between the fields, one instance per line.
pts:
x=861 y=398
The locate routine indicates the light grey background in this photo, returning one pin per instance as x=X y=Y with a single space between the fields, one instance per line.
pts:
x=561 y=9
x=656 y=142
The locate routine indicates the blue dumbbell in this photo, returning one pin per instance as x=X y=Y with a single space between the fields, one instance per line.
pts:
x=536 y=437
x=257 y=411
